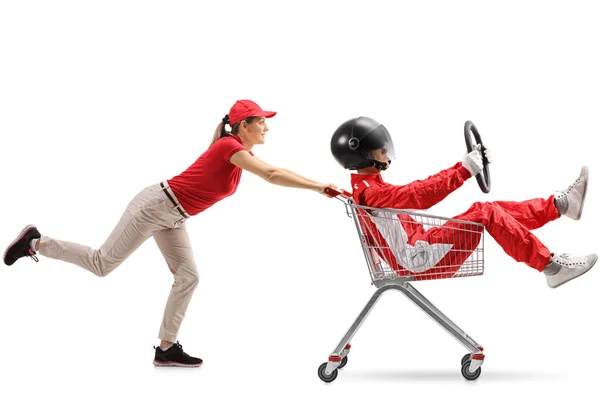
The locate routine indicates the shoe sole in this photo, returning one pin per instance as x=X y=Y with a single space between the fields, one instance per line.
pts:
x=577 y=276
x=175 y=364
x=585 y=173
x=23 y=232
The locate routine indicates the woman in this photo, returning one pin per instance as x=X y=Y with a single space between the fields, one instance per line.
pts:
x=364 y=145
x=160 y=211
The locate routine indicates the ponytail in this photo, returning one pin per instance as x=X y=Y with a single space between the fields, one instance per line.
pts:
x=221 y=132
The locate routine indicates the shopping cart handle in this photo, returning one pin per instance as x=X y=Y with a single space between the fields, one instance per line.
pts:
x=335 y=193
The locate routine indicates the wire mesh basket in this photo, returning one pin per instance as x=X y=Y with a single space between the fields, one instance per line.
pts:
x=415 y=246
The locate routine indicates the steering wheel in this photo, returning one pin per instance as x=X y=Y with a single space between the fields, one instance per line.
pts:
x=483 y=178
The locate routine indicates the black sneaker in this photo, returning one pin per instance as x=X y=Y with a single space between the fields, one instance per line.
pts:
x=20 y=246
x=174 y=356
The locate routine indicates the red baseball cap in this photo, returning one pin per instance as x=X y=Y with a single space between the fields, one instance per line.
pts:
x=243 y=109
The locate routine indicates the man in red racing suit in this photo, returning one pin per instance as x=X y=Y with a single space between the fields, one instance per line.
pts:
x=508 y=222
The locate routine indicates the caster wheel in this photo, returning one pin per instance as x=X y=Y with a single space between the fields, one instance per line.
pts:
x=471 y=376
x=466 y=358
x=343 y=363
x=324 y=377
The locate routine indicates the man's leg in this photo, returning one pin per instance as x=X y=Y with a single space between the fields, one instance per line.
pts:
x=537 y=212
x=465 y=238
x=513 y=236
x=570 y=201
x=519 y=243
x=533 y=213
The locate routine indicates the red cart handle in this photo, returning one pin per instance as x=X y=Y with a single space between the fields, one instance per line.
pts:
x=335 y=193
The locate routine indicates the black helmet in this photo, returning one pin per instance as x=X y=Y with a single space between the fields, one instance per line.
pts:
x=352 y=141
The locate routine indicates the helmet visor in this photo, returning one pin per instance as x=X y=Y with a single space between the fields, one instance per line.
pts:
x=379 y=138
x=389 y=146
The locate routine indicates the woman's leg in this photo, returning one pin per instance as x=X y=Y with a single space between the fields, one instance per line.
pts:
x=177 y=250
x=144 y=216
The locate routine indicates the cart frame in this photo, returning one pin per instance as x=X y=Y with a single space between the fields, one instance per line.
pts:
x=470 y=364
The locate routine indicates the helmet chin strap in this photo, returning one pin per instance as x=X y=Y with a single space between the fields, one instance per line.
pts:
x=381 y=165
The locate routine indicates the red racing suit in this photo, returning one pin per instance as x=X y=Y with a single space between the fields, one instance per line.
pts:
x=508 y=222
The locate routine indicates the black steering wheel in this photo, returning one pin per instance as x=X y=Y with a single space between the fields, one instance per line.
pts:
x=483 y=178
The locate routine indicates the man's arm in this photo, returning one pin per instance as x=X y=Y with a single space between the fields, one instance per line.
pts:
x=418 y=195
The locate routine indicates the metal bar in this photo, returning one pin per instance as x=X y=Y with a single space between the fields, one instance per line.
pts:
x=363 y=315
x=439 y=317
x=415 y=213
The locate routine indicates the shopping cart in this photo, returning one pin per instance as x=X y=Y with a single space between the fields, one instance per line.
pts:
x=402 y=246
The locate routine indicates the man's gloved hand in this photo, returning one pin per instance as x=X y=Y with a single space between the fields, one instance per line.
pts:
x=486 y=153
x=473 y=162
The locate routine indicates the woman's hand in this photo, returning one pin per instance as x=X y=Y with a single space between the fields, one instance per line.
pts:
x=328 y=185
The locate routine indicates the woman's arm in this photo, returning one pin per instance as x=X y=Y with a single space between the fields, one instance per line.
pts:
x=289 y=172
x=274 y=175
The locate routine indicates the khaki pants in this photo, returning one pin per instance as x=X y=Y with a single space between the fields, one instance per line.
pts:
x=150 y=213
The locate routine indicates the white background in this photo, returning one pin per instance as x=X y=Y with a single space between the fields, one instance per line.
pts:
x=100 y=99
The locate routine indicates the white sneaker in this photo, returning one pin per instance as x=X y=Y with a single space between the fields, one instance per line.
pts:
x=570 y=268
x=574 y=195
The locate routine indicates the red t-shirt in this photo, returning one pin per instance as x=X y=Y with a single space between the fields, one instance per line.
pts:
x=210 y=178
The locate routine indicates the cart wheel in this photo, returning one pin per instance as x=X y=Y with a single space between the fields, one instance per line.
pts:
x=466 y=358
x=327 y=378
x=343 y=363
x=471 y=376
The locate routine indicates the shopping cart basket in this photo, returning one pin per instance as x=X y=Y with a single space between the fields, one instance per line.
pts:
x=402 y=246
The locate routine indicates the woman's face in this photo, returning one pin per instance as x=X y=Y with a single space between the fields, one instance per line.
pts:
x=256 y=130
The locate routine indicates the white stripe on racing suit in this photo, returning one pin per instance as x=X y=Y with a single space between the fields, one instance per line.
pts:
x=418 y=258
